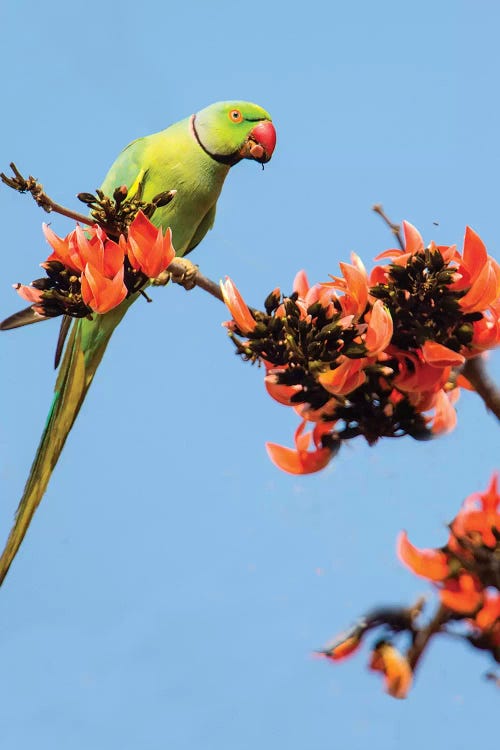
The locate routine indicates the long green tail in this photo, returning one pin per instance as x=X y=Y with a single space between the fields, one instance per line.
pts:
x=84 y=350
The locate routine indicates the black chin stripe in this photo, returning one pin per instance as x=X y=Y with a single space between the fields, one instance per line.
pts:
x=229 y=159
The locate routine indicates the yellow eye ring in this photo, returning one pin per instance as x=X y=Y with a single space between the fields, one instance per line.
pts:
x=235 y=115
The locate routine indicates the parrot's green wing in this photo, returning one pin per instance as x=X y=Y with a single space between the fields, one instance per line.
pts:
x=193 y=160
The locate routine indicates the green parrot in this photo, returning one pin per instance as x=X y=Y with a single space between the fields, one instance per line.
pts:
x=193 y=157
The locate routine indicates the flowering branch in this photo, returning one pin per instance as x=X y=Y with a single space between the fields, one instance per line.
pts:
x=465 y=574
x=114 y=216
x=105 y=213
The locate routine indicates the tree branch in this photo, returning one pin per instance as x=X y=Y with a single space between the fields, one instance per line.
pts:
x=424 y=636
x=475 y=373
x=19 y=183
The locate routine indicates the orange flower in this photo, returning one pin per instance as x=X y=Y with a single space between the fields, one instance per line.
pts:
x=415 y=375
x=488 y=617
x=148 y=249
x=463 y=594
x=80 y=247
x=487 y=330
x=354 y=285
x=428 y=563
x=237 y=306
x=345 y=378
x=484 y=521
x=98 y=259
x=414 y=243
x=479 y=273
x=301 y=460
x=101 y=293
x=394 y=666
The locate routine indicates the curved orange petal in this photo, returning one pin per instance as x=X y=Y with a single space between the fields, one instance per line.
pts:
x=428 y=563
x=398 y=674
x=489 y=614
x=380 y=329
x=281 y=393
x=237 y=306
x=29 y=293
x=414 y=242
x=474 y=253
x=341 y=648
x=438 y=355
x=483 y=292
x=345 y=378
x=99 y=293
x=445 y=416
x=301 y=284
x=463 y=594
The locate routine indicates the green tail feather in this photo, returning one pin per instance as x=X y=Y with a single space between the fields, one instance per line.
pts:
x=84 y=350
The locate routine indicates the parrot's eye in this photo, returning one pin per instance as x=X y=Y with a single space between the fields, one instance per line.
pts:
x=235 y=115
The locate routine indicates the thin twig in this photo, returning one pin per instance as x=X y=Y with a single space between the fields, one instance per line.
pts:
x=424 y=636
x=475 y=373
x=395 y=228
x=30 y=185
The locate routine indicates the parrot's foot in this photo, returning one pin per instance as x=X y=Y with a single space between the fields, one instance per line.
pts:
x=183 y=272
x=162 y=279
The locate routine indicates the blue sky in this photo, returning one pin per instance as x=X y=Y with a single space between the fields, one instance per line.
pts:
x=173 y=583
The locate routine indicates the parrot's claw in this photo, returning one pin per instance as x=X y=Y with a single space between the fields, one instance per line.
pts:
x=183 y=272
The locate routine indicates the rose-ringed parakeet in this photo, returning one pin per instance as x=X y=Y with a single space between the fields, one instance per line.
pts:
x=192 y=157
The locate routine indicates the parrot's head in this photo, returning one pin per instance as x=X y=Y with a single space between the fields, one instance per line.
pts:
x=231 y=131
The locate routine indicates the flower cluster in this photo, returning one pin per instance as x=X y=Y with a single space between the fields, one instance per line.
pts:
x=372 y=354
x=89 y=272
x=466 y=573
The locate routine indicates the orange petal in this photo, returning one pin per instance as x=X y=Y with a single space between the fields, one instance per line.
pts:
x=29 y=293
x=380 y=329
x=463 y=594
x=345 y=378
x=483 y=292
x=237 y=306
x=300 y=460
x=398 y=674
x=281 y=393
x=413 y=239
x=489 y=614
x=301 y=284
x=428 y=563
x=474 y=253
x=438 y=355
x=445 y=416
x=341 y=648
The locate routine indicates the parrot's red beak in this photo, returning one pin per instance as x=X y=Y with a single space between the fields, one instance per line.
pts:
x=260 y=142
